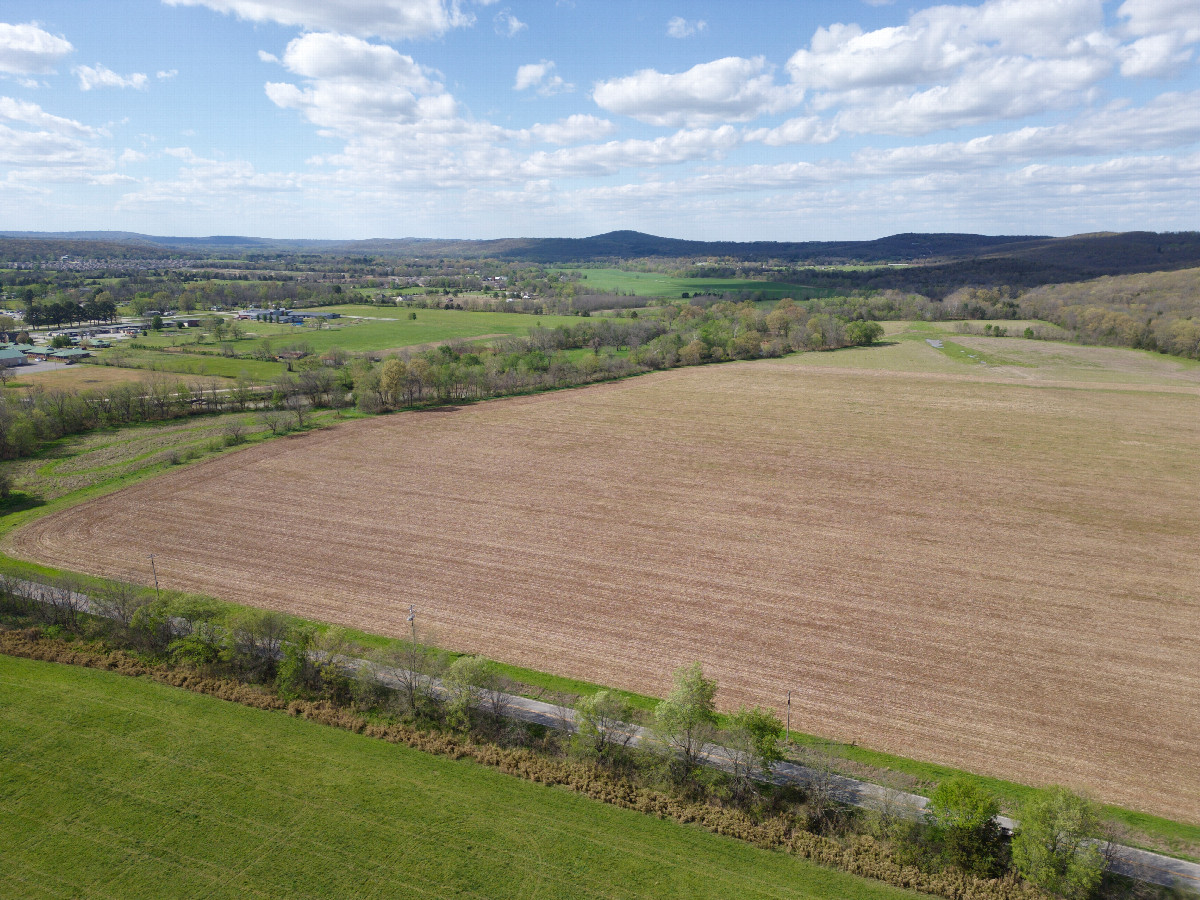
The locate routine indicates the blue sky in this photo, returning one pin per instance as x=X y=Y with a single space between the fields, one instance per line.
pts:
x=487 y=118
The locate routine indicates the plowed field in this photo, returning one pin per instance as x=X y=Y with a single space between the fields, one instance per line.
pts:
x=963 y=564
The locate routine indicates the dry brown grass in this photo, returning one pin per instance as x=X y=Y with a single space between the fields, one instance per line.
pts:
x=961 y=566
x=84 y=377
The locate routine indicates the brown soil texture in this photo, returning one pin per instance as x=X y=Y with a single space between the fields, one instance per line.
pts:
x=995 y=575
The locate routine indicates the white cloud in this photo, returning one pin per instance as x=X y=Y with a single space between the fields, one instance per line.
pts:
x=166 y=74
x=949 y=66
x=101 y=77
x=508 y=25
x=1164 y=32
x=354 y=84
x=28 y=50
x=542 y=77
x=800 y=130
x=364 y=18
x=679 y=27
x=1146 y=17
x=607 y=159
x=725 y=90
x=131 y=156
x=266 y=57
x=573 y=129
x=49 y=145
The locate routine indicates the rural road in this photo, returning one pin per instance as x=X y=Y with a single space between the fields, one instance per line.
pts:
x=1141 y=865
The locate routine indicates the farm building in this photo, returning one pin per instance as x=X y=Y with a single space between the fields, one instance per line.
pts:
x=10 y=358
x=68 y=354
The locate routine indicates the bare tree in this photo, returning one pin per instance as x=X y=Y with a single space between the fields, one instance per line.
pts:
x=62 y=603
x=235 y=432
x=823 y=807
x=119 y=600
x=604 y=719
x=299 y=409
x=275 y=420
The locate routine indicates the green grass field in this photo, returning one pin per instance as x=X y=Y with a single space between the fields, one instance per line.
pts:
x=654 y=284
x=184 y=363
x=390 y=326
x=380 y=328
x=125 y=788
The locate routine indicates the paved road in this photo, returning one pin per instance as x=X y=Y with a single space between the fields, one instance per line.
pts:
x=1141 y=865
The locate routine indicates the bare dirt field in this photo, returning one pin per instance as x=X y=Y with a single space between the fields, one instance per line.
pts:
x=988 y=566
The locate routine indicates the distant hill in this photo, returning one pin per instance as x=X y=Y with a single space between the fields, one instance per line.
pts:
x=611 y=246
x=938 y=262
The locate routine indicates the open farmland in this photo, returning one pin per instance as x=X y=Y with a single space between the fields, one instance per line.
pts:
x=991 y=566
x=657 y=284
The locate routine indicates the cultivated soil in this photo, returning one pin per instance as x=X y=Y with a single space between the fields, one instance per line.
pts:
x=993 y=567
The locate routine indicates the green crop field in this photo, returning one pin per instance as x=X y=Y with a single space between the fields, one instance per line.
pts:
x=184 y=363
x=362 y=329
x=125 y=788
x=655 y=284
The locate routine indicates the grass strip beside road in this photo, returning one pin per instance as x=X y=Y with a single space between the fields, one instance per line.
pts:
x=121 y=787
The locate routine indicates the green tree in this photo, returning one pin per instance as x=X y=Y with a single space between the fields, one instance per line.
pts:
x=963 y=817
x=1056 y=847
x=753 y=745
x=862 y=334
x=474 y=685
x=685 y=721
x=392 y=379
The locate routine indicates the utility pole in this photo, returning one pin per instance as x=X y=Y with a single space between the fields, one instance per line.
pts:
x=412 y=620
x=157 y=596
x=789 y=719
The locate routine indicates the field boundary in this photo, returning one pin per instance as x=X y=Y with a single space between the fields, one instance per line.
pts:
x=1132 y=862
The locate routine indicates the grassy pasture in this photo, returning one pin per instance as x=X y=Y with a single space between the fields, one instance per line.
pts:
x=371 y=329
x=654 y=284
x=116 y=787
x=181 y=362
x=943 y=559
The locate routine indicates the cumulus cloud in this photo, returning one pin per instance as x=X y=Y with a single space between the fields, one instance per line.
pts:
x=28 y=50
x=1164 y=32
x=541 y=77
x=508 y=25
x=1145 y=17
x=100 y=76
x=364 y=18
x=353 y=84
x=572 y=130
x=609 y=158
x=950 y=66
x=725 y=90
x=131 y=156
x=800 y=130
x=166 y=74
x=31 y=138
x=679 y=27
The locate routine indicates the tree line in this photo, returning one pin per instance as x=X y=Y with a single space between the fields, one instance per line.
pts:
x=955 y=847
